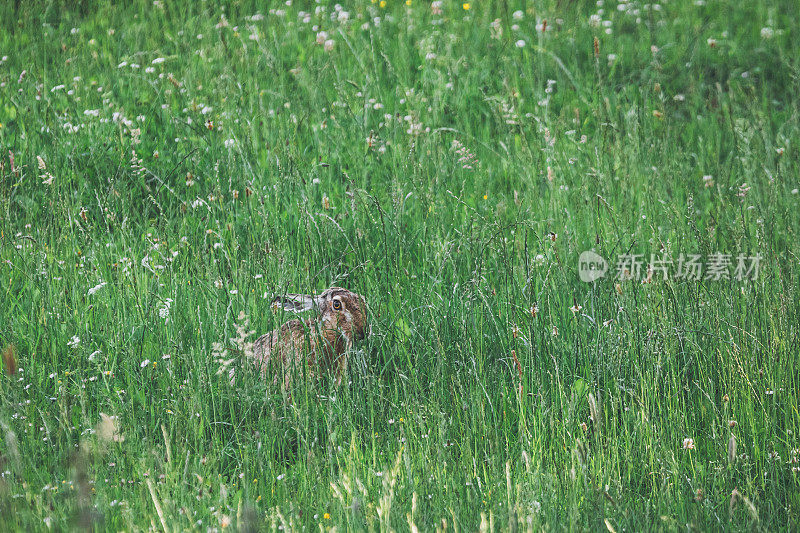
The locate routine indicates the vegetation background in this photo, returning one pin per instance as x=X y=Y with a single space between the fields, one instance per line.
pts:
x=168 y=167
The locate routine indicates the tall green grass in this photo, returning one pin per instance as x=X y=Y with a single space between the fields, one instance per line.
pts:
x=176 y=165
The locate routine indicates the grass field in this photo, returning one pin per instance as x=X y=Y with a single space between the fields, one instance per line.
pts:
x=167 y=168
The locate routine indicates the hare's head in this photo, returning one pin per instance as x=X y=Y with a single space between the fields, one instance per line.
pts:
x=339 y=309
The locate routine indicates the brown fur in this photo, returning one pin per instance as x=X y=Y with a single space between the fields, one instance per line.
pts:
x=321 y=343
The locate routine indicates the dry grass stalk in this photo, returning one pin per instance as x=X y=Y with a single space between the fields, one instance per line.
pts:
x=10 y=360
x=157 y=504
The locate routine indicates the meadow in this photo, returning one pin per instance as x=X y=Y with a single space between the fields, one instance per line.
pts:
x=168 y=168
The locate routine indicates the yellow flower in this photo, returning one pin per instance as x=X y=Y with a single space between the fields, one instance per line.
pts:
x=326 y=516
x=485 y=196
x=383 y=3
x=408 y=2
x=466 y=6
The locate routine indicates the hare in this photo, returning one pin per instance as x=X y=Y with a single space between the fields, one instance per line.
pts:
x=321 y=342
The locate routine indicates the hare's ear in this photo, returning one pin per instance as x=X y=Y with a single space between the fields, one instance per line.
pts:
x=297 y=303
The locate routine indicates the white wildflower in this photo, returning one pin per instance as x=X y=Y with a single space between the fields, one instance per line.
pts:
x=97 y=288
x=164 y=311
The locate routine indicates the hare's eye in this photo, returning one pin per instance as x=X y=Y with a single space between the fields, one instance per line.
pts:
x=337 y=304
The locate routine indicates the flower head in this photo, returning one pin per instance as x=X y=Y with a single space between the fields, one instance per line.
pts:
x=96 y=288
